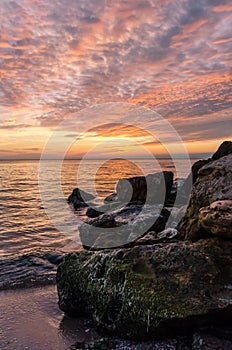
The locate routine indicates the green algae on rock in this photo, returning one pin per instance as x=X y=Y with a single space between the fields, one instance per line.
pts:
x=149 y=291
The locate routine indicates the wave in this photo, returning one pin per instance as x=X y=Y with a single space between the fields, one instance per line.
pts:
x=27 y=270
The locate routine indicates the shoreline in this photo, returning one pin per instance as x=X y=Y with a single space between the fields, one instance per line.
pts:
x=31 y=319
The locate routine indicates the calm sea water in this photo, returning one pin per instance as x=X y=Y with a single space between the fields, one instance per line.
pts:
x=30 y=246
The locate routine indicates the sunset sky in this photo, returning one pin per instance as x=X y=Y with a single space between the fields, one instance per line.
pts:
x=58 y=57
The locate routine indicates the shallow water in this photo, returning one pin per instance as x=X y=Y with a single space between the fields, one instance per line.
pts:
x=30 y=319
x=31 y=246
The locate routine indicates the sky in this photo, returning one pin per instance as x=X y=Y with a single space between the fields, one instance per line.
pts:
x=60 y=59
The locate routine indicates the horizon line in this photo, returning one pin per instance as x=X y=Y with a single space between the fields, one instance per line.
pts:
x=178 y=156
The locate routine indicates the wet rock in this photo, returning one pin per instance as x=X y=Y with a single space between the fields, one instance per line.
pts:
x=213 y=184
x=217 y=218
x=134 y=189
x=111 y=198
x=153 y=237
x=138 y=219
x=102 y=209
x=79 y=198
x=179 y=285
x=93 y=213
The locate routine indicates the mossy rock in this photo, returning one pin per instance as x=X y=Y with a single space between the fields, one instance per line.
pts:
x=149 y=291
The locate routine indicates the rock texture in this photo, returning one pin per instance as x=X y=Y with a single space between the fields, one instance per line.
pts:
x=196 y=341
x=213 y=184
x=134 y=189
x=217 y=218
x=150 y=291
x=224 y=149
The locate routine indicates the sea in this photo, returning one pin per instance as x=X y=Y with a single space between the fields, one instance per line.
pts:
x=31 y=246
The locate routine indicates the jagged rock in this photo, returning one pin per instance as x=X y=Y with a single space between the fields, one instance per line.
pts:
x=134 y=189
x=150 y=291
x=213 y=184
x=224 y=149
x=79 y=198
x=217 y=218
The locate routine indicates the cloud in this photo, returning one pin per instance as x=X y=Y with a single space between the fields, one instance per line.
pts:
x=59 y=57
x=6 y=126
x=117 y=129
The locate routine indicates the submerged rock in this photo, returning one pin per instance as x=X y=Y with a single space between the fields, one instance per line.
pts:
x=213 y=184
x=79 y=198
x=150 y=291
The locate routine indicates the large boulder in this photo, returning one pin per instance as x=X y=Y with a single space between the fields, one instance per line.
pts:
x=153 y=188
x=150 y=291
x=213 y=184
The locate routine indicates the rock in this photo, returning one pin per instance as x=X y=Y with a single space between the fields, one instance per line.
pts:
x=134 y=189
x=176 y=215
x=217 y=218
x=176 y=187
x=213 y=184
x=224 y=149
x=97 y=344
x=103 y=209
x=93 y=213
x=192 y=177
x=79 y=198
x=150 y=291
x=168 y=234
x=152 y=237
x=202 y=341
x=111 y=198
x=137 y=219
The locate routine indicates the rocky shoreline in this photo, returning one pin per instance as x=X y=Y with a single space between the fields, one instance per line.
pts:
x=157 y=276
